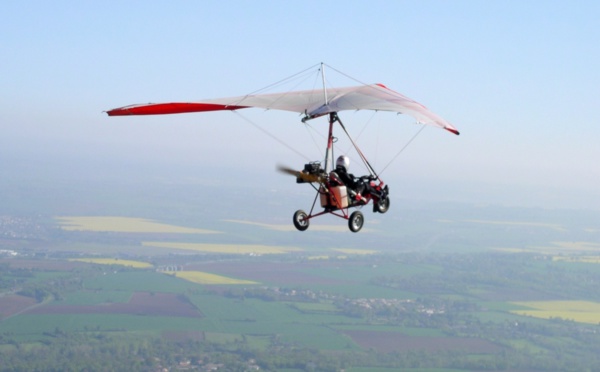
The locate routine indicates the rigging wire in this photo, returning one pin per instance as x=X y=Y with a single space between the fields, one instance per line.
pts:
x=289 y=78
x=352 y=144
x=297 y=77
x=368 y=85
x=402 y=149
x=300 y=77
x=271 y=135
x=362 y=156
x=362 y=130
x=346 y=75
x=311 y=131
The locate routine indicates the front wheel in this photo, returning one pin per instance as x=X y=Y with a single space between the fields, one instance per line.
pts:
x=301 y=220
x=356 y=221
x=381 y=205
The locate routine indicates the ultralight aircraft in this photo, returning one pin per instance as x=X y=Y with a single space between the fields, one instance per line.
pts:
x=335 y=196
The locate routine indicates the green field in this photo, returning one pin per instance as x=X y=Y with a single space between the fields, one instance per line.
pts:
x=136 y=281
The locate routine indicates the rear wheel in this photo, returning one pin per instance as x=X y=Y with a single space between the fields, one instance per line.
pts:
x=301 y=220
x=356 y=221
x=382 y=205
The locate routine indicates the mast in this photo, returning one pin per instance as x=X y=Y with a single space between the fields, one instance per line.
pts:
x=323 y=79
x=329 y=152
x=332 y=118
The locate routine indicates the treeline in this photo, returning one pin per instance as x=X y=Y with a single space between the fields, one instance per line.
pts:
x=50 y=289
x=12 y=278
x=78 y=352
x=123 y=352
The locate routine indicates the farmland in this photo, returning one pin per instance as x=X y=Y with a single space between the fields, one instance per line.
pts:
x=178 y=291
x=208 y=278
x=114 y=261
x=578 y=311
x=123 y=224
x=243 y=249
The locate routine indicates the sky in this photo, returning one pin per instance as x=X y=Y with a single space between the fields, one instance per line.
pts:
x=519 y=79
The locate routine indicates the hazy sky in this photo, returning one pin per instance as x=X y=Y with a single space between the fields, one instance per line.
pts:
x=519 y=79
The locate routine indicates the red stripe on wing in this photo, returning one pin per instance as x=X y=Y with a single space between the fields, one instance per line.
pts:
x=170 y=108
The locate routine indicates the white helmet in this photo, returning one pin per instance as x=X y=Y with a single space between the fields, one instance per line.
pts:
x=343 y=161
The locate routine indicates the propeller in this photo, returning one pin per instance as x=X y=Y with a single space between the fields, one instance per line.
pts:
x=301 y=175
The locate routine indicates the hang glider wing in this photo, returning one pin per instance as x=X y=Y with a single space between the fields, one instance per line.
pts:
x=312 y=103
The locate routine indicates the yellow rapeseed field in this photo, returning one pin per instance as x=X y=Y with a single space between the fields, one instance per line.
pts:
x=355 y=251
x=584 y=259
x=578 y=246
x=560 y=247
x=114 y=261
x=125 y=225
x=579 y=311
x=208 y=278
x=223 y=248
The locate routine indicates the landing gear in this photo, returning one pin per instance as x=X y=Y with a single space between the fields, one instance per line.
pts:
x=301 y=220
x=356 y=221
x=382 y=205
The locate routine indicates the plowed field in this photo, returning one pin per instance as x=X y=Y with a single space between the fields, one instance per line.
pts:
x=141 y=303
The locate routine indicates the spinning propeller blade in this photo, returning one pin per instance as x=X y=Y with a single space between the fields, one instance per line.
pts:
x=306 y=177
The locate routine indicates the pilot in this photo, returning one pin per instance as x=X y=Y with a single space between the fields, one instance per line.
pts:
x=355 y=185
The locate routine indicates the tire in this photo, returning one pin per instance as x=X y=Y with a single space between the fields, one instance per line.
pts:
x=301 y=220
x=382 y=205
x=356 y=221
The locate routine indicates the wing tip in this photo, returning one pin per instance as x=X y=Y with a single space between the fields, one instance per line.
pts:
x=452 y=130
x=114 y=112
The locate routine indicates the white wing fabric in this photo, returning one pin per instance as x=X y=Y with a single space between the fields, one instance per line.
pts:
x=311 y=103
